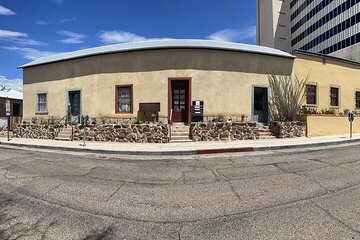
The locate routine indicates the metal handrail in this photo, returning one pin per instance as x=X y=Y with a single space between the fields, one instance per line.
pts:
x=72 y=127
x=76 y=119
x=170 y=119
x=170 y=124
x=61 y=120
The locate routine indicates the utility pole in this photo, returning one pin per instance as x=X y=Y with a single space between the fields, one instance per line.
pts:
x=8 y=113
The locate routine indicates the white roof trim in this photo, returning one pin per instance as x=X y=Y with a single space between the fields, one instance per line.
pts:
x=12 y=94
x=160 y=44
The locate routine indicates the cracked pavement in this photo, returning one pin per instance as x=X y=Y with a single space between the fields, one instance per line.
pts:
x=311 y=194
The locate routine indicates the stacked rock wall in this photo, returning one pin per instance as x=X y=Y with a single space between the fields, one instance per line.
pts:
x=140 y=133
x=37 y=131
x=288 y=129
x=223 y=131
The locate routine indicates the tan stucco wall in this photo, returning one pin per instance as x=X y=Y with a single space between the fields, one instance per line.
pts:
x=327 y=73
x=222 y=79
x=330 y=125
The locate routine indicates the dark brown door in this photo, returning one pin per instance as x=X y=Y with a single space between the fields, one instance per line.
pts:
x=74 y=106
x=179 y=101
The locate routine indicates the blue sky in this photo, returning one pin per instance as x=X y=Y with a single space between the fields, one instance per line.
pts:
x=30 y=29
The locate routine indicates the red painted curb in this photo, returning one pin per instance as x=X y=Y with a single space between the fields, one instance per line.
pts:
x=224 y=150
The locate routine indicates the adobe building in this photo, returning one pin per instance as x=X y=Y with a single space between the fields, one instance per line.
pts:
x=16 y=102
x=230 y=79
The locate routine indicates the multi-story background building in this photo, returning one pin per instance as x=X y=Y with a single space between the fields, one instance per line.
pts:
x=320 y=26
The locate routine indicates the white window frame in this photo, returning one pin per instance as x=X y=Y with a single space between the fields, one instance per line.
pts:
x=37 y=110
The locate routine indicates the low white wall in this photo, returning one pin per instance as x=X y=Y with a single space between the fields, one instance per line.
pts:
x=3 y=123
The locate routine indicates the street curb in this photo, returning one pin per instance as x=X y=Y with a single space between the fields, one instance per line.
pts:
x=224 y=150
x=100 y=151
x=184 y=152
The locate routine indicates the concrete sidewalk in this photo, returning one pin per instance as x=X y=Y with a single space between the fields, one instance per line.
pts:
x=190 y=148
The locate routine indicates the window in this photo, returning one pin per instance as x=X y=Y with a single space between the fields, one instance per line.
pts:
x=311 y=94
x=124 y=99
x=334 y=96
x=41 y=106
x=16 y=109
x=357 y=99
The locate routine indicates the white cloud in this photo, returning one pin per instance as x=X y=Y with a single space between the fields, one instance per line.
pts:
x=11 y=34
x=109 y=37
x=30 y=53
x=235 y=35
x=42 y=22
x=28 y=41
x=72 y=37
x=5 y=11
x=64 y=20
x=18 y=38
x=15 y=84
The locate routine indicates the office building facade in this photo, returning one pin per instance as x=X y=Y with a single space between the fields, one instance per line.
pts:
x=321 y=26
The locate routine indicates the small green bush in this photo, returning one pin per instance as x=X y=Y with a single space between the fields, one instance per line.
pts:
x=328 y=111
x=243 y=117
x=220 y=118
x=43 y=122
x=34 y=120
x=308 y=110
x=51 y=120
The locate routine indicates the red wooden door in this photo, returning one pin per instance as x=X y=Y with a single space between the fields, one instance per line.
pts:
x=179 y=103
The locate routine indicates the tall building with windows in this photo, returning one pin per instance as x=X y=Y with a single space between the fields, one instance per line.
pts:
x=321 y=26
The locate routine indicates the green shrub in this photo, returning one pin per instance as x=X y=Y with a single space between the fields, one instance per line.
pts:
x=243 y=117
x=328 y=111
x=34 y=120
x=137 y=120
x=51 y=120
x=43 y=122
x=220 y=118
x=308 y=110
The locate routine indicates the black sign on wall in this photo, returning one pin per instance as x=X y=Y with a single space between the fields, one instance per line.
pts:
x=197 y=111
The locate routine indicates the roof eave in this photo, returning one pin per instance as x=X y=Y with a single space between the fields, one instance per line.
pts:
x=320 y=55
x=158 y=45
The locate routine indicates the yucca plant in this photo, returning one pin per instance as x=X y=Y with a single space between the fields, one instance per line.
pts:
x=286 y=96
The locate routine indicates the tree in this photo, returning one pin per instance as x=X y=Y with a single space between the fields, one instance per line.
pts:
x=287 y=95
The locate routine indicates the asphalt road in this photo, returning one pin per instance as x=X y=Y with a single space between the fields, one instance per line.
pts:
x=279 y=195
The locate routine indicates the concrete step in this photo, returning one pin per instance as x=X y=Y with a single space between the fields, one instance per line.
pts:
x=180 y=127
x=267 y=137
x=66 y=130
x=180 y=141
x=265 y=133
x=62 y=139
x=65 y=133
x=264 y=130
x=179 y=133
x=64 y=136
x=180 y=137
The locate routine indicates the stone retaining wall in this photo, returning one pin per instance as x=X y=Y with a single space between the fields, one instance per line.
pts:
x=222 y=131
x=37 y=131
x=288 y=129
x=141 y=133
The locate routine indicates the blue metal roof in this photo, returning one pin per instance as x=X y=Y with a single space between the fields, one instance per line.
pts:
x=160 y=44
